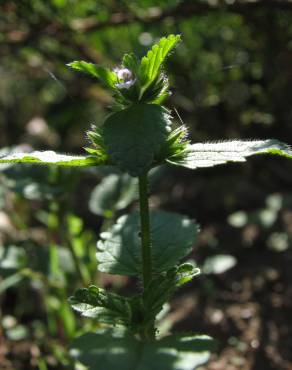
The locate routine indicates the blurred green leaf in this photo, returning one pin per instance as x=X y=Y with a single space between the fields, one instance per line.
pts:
x=10 y=281
x=115 y=192
x=17 y=333
x=12 y=257
x=38 y=182
x=219 y=264
x=119 y=250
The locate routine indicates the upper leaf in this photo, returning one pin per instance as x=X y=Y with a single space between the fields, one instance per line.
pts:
x=213 y=154
x=105 y=307
x=152 y=62
x=50 y=157
x=118 y=350
x=131 y=62
x=108 y=77
x=135 y=135
x=119 y=251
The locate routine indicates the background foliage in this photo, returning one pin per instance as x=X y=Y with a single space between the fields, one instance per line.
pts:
x=231 y=78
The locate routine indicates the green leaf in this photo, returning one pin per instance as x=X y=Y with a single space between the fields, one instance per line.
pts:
x=213 y=154
x=119 y=250
x=118 y=350
x=131 y=62
x=161 y=288
x=152 y=62
x=50 y=157
x=108 y=77
x=106 y=307
x=175 y=144
x=185 y=273
x=135 y=135
x=115 y=192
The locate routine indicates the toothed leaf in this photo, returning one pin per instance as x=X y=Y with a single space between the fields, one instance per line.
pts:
x=104 y=306
x=135 y=135
x=152 y=62
x=213 y=154
x=119 y=250
x=162 y=287
x=119 y=350
x=105 y=75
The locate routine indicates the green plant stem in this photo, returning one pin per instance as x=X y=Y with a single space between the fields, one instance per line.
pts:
x=148 y=332
x=145 y=230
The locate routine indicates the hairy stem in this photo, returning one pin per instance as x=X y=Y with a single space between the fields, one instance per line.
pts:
x=145 y=230
x=148 y=332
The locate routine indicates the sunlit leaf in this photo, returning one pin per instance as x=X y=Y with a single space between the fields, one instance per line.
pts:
x=50 y=157
x=213 y=154
x=119 y=250
x=106 y=76
x=152 y=62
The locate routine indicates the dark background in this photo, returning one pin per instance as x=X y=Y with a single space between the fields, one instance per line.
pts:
x=231 y=77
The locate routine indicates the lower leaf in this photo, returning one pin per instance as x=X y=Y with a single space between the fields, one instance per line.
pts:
x=106 y=307
x=162 y=287
x=119 y=251
x=111 y=350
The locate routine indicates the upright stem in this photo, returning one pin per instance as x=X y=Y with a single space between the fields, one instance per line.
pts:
x=148 y=331
x=145 y=230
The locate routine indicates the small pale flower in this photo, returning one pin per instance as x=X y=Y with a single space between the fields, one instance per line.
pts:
x=125 y=78
x=126 y=85
x=124 y=74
